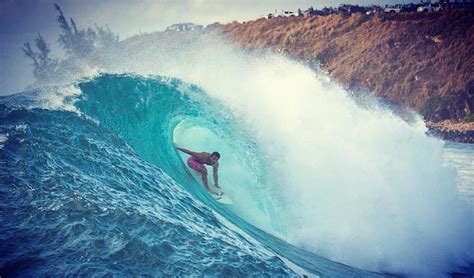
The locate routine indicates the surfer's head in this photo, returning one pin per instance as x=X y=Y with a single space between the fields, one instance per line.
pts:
x=215 y=157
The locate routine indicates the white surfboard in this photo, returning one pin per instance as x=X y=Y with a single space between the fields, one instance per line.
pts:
x=223 y=199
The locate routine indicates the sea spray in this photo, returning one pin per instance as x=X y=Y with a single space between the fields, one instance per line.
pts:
x=356 y=184
x=152 y=114
x=359 y=185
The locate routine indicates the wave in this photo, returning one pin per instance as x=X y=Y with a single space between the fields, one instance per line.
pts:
x=311 y=171
x=77 y=199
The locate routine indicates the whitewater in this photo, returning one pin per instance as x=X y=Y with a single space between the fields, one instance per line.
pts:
x=324 y=184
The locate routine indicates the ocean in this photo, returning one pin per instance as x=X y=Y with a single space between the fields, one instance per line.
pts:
x=322 y=185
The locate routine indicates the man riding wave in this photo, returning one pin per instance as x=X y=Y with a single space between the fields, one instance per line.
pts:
x=197 y=161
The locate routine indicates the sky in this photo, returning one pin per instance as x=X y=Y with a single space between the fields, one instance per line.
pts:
x=22 y=20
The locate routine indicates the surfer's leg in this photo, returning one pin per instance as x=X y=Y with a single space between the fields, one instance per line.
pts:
x=204 y=178
x=193 y=164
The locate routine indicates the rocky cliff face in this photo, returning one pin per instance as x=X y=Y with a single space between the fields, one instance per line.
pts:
x=421 y=61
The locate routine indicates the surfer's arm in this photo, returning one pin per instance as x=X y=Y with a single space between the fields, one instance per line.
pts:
x=214 y=172
x=187 y=151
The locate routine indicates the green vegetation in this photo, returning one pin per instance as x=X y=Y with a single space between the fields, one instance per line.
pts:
x=468 y=118
x=81 y=42
x=44 y=67
x=78 y=43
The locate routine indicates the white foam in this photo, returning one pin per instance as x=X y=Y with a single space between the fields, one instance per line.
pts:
x=57 y=97
x=3 y=140
x=61 y=98
x=358 y=185
x=21 y=127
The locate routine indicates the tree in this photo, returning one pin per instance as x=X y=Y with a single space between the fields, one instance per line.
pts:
x=44 y=67
x=105 y=37
x=80 y=43
x=76 y=42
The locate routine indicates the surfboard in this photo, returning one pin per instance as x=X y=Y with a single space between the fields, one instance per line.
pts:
x=223 y=199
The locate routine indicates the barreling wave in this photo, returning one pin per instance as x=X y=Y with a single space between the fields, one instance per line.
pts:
x=92 y=182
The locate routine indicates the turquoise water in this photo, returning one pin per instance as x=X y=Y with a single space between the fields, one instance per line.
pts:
x=101 y=190
x=92 y=185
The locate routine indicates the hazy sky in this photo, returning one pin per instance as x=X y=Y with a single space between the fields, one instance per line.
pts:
x=21 y=20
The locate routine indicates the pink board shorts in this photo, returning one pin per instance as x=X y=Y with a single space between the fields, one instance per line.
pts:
x=193 y=164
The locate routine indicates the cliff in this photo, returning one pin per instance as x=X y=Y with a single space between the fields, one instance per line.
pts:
x=421 y=61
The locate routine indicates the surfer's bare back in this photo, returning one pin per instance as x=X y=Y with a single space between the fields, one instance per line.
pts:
x=197 y=160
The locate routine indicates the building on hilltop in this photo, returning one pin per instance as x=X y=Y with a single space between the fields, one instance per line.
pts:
x=184 y=27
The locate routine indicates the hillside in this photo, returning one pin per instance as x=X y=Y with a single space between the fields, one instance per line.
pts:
x=421 y=61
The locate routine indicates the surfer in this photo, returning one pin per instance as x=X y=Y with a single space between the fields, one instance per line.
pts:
x=196 y=162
